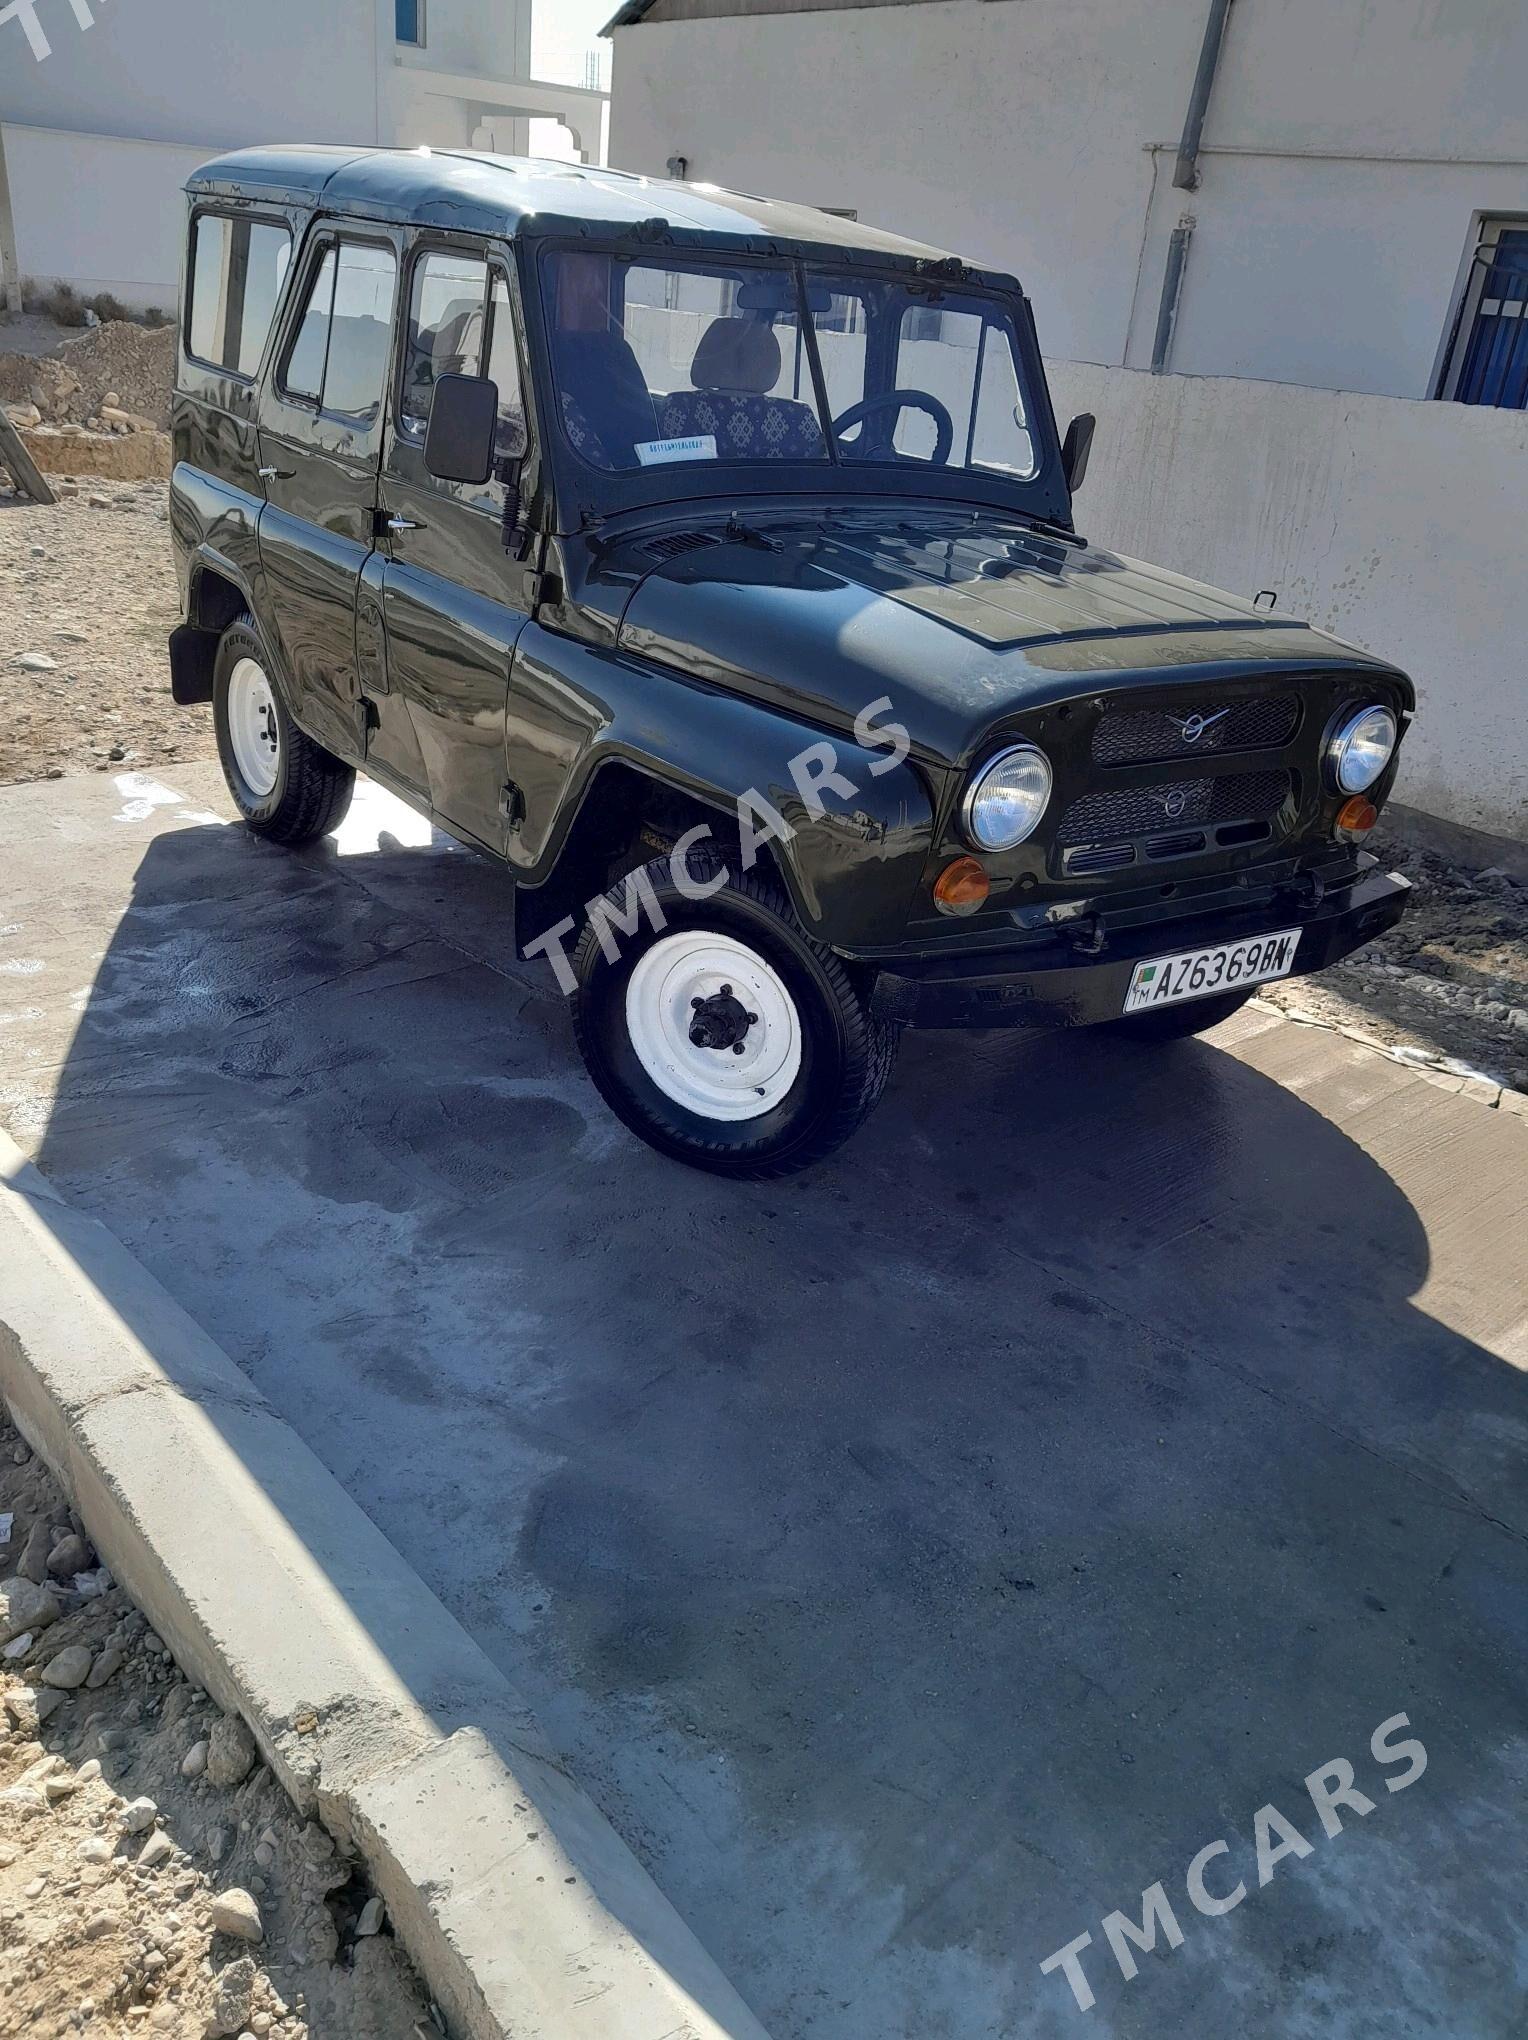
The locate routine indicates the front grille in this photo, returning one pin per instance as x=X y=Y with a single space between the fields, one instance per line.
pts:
x=1146 y=810
x=1150 y=736
x=1105 y=857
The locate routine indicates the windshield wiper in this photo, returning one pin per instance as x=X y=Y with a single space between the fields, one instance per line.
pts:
x=1051 y=528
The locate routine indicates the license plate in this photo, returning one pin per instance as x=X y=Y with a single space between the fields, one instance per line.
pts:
x=1165 y=980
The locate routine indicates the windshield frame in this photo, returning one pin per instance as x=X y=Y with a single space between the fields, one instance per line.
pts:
x=586 y=494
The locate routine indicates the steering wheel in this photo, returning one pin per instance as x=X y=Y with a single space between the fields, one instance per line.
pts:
x=898 y=400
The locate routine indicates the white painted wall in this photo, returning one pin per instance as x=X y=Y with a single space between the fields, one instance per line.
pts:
x=1349 y=146
x=1396 y=525
x=186 y=71
x=192 y=78
x=1367 y=262
x=960 y=123
x=126 y=238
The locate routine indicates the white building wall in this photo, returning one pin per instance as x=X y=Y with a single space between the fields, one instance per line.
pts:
x=961 y=123
x=97 y=207
x=104 y=213
x=195 y=71
x=1349 y=147
x=1338 y=276
x=1396 y=525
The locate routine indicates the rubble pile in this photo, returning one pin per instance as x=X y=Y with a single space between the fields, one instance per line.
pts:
x=154 y=1878
x=117 y=378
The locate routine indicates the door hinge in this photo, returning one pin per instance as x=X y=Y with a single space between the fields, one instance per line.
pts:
x=370 y=720
x=512 y=804
x=548 y=590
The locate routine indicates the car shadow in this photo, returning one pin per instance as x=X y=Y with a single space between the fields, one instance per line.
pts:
x=916 y=1558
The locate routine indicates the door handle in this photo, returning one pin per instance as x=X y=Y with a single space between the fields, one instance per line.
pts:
x=275 y=474
x=403 y=524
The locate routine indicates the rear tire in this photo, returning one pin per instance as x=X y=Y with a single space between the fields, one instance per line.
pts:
x=284 y=785
x=727 y=1038
x=1177 y=1023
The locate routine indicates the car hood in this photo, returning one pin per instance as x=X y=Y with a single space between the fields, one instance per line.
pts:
x=962 y=620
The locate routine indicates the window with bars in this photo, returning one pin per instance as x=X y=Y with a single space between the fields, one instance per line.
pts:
x=1487 y=355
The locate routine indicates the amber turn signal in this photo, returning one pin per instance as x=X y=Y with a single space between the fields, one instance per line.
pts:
x=961 y=887
x=1356 y=817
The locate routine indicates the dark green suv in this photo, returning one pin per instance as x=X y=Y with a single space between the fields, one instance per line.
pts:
x=712 y=563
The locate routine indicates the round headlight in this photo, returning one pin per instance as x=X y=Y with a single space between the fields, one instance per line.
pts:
x=1362 y=747
x=1006 y=799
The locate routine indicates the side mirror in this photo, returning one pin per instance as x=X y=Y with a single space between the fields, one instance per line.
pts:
x=464 y=419
x=1075 y=449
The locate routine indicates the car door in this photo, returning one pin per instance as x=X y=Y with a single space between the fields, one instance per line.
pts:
x=457 y=575
x=321 y=426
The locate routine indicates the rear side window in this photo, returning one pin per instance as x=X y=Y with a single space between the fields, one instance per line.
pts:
x=237 y=268
x=338 y=359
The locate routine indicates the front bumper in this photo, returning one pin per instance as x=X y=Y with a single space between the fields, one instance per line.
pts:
x=1054 y=986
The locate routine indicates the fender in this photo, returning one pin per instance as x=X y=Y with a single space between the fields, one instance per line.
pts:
x=215 y=595
x=214 y=534
x=214 y=537
x=848 y=826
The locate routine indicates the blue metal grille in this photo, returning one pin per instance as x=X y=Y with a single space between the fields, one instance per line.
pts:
x=1489 y=355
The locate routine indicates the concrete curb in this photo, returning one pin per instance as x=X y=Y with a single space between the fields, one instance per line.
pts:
x=1433 y=1069
x=523 y=1909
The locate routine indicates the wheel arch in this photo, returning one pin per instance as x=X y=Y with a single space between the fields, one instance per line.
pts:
x=217 y=595
x=848 y=824
x=628 y=813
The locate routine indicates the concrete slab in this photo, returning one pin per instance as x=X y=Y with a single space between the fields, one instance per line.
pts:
x=525 y=1912
x=917 y=1560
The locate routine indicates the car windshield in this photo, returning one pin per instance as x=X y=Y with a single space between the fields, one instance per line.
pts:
x=658 y=362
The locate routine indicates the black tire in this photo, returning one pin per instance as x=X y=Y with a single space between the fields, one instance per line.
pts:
x=312 y=788
x=846 y=1053
x=1177 y=1023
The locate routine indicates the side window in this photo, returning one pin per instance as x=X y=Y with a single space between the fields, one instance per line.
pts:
x=503 y=368
x=304 y=372
x=965 y=362
x=461 y=323
x=338 y=359
x=446 y=320
x=1487 y=360
x=236 y=271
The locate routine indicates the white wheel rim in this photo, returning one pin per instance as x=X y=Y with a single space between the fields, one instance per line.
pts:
x=715 y=1083
x=252 y=727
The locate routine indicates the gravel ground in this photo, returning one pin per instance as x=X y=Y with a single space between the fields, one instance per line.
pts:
x=88 y=586
x=154 y=1879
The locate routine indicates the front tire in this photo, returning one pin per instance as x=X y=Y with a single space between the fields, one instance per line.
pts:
x=1177 y=1023
x=284 y=785
x=725 y=1037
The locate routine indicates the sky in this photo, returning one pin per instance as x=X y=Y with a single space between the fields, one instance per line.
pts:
x=561 y=31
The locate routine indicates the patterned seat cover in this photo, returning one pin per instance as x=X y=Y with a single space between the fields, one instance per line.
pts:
x=746 y=426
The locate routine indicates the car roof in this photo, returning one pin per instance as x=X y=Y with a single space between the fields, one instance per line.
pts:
x=517 y=197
